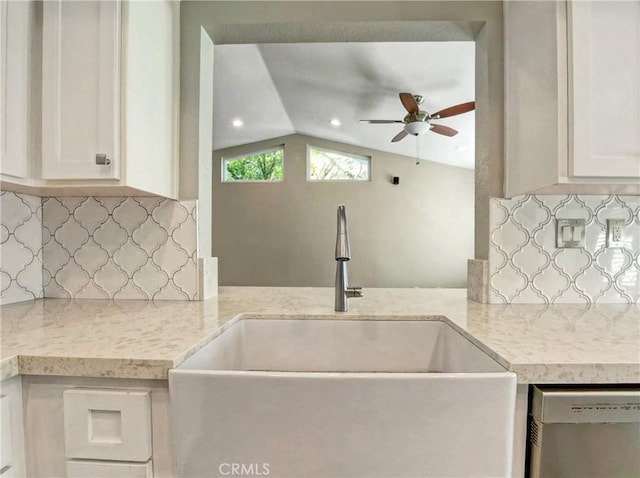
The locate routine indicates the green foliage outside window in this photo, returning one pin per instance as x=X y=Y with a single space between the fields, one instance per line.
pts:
x=264 y=166
x=327 y=165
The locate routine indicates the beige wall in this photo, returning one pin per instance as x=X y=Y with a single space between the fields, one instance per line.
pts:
x=416 y=234
x=308 y=21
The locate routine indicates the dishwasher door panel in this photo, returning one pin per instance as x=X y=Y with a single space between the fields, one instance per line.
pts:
x=584 y=433
x=586 y=450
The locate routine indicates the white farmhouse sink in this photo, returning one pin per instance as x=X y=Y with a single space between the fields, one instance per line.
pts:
x=342 y=398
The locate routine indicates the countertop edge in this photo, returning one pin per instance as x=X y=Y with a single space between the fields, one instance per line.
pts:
x=156 y=369
x=94 y=367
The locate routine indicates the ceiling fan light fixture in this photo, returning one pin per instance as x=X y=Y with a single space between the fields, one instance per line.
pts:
x=418 y=122
x=417 y=128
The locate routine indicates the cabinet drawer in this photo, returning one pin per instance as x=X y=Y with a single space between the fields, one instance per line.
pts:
x=107 y=425
x=102 y=469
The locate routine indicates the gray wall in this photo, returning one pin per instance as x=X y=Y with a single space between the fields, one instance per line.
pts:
x=416 y=234
x=305 y=21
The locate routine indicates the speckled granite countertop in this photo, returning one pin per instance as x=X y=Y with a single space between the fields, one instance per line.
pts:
x=141 y=339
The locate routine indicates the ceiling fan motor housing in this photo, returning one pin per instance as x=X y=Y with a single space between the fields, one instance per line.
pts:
x=419 y=116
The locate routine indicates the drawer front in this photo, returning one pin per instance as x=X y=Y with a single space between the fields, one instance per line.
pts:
x=107 y=424
x=102 y=469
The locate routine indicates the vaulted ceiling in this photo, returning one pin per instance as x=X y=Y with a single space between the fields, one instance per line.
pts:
x=280 y=89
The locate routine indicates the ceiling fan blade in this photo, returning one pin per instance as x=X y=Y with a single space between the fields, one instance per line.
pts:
x=455 y=110
x=381 y=121
x=409 y=102
x=441 y=129
x=399 y=136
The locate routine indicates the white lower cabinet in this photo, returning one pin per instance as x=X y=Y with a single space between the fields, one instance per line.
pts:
x=83 y=427
x=104 y=469
x=6 y=447
x=12 y=462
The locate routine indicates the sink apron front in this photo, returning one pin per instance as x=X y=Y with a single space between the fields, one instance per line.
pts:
x=341 y=424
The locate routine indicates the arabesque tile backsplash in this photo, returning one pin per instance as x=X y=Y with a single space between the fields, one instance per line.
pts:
x=526 y=267
x=146 y=248
x=119 y=248
x=98 y=247
x=21 y=247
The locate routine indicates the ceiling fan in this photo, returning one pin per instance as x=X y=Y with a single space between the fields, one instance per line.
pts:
x=418 y=122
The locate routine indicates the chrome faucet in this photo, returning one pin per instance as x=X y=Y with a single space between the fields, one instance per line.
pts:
x=343 y=254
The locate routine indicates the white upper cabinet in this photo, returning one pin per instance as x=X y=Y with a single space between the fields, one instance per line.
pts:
x=105 y=96
x=15 y=77
x=81 y=90
x=604 y=85
x=572 y=97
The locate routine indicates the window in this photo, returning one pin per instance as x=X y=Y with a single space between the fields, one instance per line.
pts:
x=261 y=166
x=328 y=165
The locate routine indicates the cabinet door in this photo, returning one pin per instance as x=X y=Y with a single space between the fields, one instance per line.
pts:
x=15 y=20
x=6 y=448
x=604 y=69
x=80 y=89
x=12 y=429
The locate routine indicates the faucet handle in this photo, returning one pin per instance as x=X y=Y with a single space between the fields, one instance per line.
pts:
x=354 y=292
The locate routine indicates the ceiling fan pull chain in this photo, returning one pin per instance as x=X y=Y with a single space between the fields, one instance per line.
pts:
x=418 y=150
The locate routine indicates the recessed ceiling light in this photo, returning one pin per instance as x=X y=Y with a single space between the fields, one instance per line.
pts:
x=237 y=123
x=335 y=122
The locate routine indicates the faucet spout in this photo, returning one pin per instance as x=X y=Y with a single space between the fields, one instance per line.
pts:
x=343 y=255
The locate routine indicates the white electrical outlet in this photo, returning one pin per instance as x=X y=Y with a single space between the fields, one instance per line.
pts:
x=615 y=232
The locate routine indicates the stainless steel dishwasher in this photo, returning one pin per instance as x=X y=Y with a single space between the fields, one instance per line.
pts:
x=584 y=433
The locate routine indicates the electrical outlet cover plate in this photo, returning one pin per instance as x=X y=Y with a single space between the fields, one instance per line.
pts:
x=570 y=233
x=615 y=232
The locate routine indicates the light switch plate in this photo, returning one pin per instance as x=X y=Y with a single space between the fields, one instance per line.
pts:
x=615 y=232
x=570 y=233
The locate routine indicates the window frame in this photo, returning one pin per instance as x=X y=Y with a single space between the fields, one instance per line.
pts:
x=342 y=153
x=224 y=161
